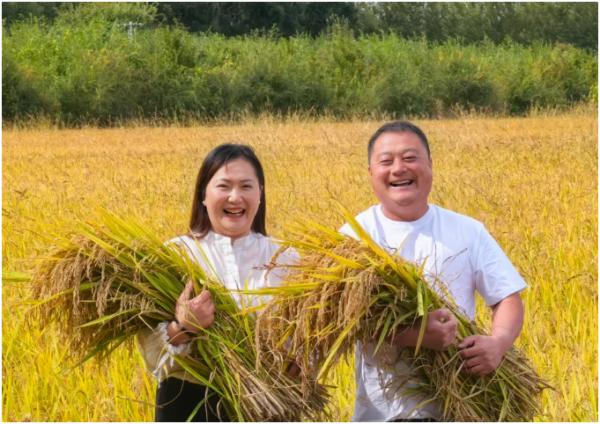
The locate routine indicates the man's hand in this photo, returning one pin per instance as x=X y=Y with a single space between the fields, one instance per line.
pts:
x=482 y=354
x=440 y=332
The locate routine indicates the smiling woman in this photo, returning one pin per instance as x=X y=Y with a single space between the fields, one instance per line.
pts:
x=232 y=198
x=231 y=180
x=228 y=239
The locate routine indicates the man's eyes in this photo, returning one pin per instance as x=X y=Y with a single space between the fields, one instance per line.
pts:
x=387 y=162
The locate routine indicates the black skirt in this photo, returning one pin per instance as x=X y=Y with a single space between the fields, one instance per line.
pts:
x=177 y=399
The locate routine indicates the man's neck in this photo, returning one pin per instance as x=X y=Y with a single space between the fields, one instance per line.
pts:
x=405 y=215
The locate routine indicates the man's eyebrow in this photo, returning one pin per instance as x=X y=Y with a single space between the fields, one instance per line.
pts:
x=387 y=152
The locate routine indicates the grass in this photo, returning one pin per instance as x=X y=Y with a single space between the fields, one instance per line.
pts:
x=532 y=181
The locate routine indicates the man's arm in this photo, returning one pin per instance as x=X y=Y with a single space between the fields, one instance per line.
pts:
x=483 y=354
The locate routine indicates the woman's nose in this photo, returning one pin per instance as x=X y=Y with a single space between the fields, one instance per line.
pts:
x=234 y=195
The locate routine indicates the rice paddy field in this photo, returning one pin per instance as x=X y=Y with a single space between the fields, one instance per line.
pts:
x=531 y=180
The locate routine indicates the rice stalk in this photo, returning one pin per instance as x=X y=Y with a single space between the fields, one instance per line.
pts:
x=110 y=280
x=345 y=291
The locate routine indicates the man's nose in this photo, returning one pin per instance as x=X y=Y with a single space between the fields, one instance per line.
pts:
x=398 y=167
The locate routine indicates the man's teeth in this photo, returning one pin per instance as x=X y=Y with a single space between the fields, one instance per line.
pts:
x=401 y=183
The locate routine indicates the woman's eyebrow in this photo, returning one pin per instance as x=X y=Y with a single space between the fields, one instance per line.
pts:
x=228 y=180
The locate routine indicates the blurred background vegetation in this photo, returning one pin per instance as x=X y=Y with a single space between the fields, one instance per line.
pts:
x=107 y=63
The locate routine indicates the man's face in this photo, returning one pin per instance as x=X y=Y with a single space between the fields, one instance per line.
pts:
x=401 y=175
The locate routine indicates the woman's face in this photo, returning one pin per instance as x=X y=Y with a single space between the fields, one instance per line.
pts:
x=232 y=198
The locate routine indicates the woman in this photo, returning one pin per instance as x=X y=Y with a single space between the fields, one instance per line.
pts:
x=228 y=239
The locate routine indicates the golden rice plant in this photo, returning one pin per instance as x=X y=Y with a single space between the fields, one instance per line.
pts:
x=509 y=173
x=344 y=291
x=110 y=280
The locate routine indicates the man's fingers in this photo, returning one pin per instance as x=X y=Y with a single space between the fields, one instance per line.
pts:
x=474 y=351
x=469 y=352
x=467 y=342
x=444 y=315
x=479 y=369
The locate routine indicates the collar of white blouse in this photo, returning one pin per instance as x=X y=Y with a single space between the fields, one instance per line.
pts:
x=241 y=242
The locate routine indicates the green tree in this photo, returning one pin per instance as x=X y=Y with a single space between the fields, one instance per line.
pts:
x=242 y=18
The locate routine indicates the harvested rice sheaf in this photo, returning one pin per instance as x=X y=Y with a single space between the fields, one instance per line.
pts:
x=343 y=291
x=111 y=280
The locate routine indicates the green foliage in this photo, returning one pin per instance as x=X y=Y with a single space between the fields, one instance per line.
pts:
x=232 y=18
x=524 y=22
x=89 y=66
x=120 y=13
x=18 y=11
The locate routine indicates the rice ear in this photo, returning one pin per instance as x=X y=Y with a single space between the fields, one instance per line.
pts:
x=364 y=294
x=109 y=280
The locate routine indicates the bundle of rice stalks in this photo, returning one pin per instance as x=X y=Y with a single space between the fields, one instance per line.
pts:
x=345 y=291
x=111 y=280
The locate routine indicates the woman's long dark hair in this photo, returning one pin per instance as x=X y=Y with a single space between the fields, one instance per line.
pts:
x=219 y=156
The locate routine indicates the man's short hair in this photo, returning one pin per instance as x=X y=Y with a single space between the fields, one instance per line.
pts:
x=398 y=126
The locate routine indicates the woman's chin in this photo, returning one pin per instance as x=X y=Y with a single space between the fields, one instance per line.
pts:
x=234 y=231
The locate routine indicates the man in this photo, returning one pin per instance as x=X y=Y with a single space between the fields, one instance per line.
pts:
x=455 y=248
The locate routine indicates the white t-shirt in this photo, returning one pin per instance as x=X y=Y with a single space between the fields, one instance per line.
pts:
x=458 y=251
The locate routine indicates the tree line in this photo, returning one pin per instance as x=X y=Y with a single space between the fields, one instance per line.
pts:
x=105 y=64
x=521 y=22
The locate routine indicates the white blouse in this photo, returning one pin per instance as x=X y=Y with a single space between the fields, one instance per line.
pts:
x=238 y=264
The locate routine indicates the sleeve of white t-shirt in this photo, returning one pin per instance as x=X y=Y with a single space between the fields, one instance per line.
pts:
x=495 y=276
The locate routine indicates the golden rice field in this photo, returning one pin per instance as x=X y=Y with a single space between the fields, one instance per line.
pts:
x=532 y=181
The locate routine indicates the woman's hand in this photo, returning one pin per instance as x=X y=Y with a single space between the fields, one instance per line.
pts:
x=192 y=314
x=197 y=312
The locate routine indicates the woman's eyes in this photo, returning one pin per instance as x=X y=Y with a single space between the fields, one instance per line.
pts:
x=227 y=187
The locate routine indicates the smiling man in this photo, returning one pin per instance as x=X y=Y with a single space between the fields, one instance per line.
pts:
x=454 y=249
